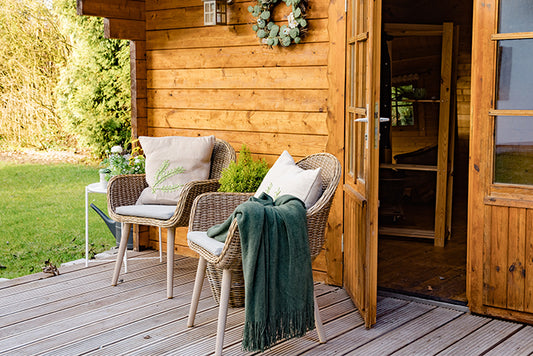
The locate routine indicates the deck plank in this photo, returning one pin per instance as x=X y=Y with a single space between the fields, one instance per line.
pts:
x=68 y=330
x=198 y=346
x=333 y=327
x=360 y=336
x=443 y=337
x=519 y=344
x=79 y=312
x=483 y=339
x=49 y=306
x=412 y=330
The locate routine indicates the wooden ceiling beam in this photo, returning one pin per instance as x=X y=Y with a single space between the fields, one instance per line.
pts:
x=125 y=29
x=116 y=9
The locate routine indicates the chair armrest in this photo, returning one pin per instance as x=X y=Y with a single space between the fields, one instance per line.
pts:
x=214 y=208
x=189 y=192
x=124 y=190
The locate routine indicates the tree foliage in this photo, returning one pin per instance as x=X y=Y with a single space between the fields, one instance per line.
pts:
x=94 y=88
x=62 y=84
x=32 y=51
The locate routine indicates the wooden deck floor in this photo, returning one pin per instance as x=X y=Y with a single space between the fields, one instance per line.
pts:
x=78 y=312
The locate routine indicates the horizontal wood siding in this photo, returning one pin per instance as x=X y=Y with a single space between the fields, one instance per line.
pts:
x=220 y=80
x=508 y=265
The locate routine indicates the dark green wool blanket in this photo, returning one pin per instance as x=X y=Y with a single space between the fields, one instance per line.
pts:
x=277 y=269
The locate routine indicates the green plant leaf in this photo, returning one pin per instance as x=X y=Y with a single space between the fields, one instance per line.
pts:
x=294 y=32
x=274 y=31
x=255 y=28
x=297 y=12
x=250 y=8
x=286 y=41
x=265 y=15
x=261 y=33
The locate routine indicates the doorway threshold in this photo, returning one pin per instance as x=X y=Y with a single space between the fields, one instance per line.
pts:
x=425 y=299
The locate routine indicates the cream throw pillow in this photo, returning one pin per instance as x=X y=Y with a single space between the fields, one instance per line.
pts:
x=285 y=177
x=164 y=157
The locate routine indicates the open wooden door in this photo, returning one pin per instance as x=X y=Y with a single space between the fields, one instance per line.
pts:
x=500 y=205
x=362 y=155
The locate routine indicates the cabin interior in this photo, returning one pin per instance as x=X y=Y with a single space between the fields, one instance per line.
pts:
x=412 y=57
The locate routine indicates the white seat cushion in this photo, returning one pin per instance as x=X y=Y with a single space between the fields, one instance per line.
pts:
x=285 y=177
x=200 y=238
x=161 y=212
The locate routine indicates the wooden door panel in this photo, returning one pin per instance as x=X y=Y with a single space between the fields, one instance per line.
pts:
x=507 y=250
x=362 y=150
x=354 y=242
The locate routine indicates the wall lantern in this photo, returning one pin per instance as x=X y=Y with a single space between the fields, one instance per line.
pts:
x=215 y=12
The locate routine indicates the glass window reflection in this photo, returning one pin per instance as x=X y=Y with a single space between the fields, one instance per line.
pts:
x=514 y=150
x=515 y=75
x=516 y=16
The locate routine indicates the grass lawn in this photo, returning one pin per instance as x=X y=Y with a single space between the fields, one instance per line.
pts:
x=43 y=216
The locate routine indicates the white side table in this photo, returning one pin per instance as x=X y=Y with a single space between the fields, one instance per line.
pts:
x=98 y=188
x=91 y=188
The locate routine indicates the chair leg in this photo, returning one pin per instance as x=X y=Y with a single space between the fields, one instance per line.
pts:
x=121 y=250
x=223 y=310
x=170 y=262
x=198 y=284
x=318 y=324
x=160 y=248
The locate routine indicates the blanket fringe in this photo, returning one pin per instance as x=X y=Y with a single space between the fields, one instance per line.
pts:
x=259 y=336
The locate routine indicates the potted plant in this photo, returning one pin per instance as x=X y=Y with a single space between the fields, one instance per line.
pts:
x=245 y=175
x=119 y=162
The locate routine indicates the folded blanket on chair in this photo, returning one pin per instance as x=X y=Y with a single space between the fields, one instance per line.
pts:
x=277 y=269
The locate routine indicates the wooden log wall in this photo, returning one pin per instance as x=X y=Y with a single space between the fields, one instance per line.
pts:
x=194 y=80
x=220 y=80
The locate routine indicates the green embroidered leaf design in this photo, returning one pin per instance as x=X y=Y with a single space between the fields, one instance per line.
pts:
x=274 y=194
x=162 y=174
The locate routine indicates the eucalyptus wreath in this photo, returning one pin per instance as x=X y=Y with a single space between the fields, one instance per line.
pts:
x=272 y=34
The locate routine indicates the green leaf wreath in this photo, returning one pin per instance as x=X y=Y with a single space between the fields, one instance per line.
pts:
x=272 y=34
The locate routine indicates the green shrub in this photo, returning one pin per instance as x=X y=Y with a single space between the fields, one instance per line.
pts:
x=94 y=90
x=245 y=175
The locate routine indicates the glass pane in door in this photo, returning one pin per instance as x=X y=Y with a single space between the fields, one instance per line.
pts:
x=513 y=150
x=514 y=89
x=516 y=16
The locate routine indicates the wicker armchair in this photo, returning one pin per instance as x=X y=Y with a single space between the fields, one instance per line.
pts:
x=214 y=208
x=124 y=190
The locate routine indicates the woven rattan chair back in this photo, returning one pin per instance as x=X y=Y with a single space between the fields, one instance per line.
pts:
x=317 y=215
x=223 y=155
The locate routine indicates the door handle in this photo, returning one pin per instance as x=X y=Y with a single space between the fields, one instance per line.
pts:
x=365 y=119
